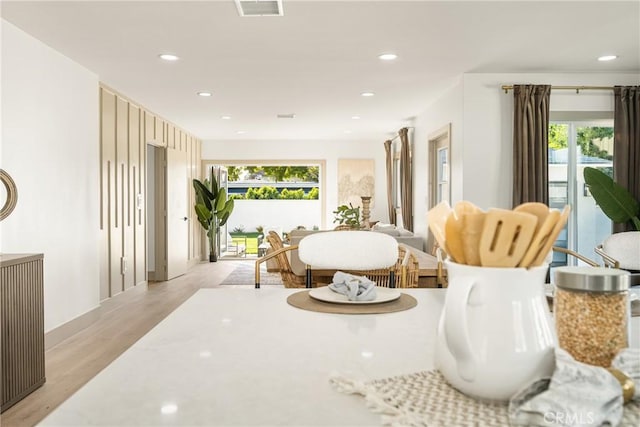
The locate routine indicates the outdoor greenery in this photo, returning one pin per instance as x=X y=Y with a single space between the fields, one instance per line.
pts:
x=559 y=138
x=274 y=173
x=271 y=193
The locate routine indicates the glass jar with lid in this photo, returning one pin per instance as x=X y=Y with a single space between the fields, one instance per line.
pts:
x=591 y=311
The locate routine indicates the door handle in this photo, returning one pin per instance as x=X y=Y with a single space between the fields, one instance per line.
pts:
x=185 y=218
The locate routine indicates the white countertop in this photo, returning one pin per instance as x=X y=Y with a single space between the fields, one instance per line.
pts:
x=239 y=356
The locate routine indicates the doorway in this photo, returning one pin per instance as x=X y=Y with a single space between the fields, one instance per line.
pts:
x=156 y=266
x=439 y=170
x=439 y=166
x=167 y=213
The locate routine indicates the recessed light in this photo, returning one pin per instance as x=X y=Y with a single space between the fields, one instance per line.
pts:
x=367 y=94
x=169 y=408
x=607 y=57
x=355 y=117
x=205 y=94
x=168 y=57
x=225 y=117
x=388 y=56
x=240 y=132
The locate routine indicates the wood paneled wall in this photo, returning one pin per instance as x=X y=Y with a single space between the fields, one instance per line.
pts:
x=125 y=131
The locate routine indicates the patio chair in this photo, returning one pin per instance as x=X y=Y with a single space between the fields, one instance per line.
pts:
x=236 y=248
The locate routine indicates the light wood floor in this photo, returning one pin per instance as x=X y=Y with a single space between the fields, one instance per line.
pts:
x=73 y=362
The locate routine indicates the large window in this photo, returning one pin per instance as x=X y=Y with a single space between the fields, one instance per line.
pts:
x=274 y=182
x=278 y=195
x=574 y=145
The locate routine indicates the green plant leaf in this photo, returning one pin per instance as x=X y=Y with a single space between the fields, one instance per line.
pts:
x=221 y=200
x=203 y=193
x=224 y=217
x=615 y=201
x=204 y=215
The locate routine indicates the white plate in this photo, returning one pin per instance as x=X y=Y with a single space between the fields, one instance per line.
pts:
x=327 y=295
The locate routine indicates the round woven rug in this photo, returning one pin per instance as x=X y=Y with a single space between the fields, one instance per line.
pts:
x=304 y=301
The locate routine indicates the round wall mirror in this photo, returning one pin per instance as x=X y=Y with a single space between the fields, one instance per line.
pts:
x=8 y=194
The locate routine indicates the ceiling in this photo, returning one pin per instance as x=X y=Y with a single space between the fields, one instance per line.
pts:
x=318 y=58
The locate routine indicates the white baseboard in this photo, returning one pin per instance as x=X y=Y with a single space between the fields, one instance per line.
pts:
x=70 y=328
x=73 y=326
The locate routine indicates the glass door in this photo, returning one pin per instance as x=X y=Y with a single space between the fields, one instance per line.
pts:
x=572 y=147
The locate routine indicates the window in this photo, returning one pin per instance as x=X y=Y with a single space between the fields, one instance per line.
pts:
x=294 y=182
x=573 y=145
x=275 y=195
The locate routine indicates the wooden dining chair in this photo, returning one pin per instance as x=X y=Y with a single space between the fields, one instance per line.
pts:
x=407 y=268
x=364 y=253
x=289 y=278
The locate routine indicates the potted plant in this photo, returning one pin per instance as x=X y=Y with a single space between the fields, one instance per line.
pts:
x=347 y=215
x=213 y=210
x=616 y=202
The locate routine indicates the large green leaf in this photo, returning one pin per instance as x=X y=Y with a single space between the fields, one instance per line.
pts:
x=221 y=200
x=203 y=193
x=204 y=216
x=615 y=201
x=225 y=212
x=224 y=217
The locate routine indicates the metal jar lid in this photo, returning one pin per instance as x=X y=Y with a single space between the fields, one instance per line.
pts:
x=593 y=279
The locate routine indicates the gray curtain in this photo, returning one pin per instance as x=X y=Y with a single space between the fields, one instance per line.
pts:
x=406 y=180
x=530 y=143
x=626 y=143
x=390 y=201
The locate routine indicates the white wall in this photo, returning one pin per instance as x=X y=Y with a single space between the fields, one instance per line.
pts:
x=287 y=214
x=447 y=109
x=50 y=133
x=330 y=151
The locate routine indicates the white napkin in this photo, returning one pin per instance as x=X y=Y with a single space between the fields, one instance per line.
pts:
x=576 y=395
x=356 y=288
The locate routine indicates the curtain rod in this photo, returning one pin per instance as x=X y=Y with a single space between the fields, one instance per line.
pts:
x=507 y=88
x=398 y=135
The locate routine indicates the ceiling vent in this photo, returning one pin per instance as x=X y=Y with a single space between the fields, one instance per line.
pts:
x=287 y=116
x=259 y=7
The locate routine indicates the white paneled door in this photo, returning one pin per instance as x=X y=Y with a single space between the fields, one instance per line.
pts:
x=177 y=210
